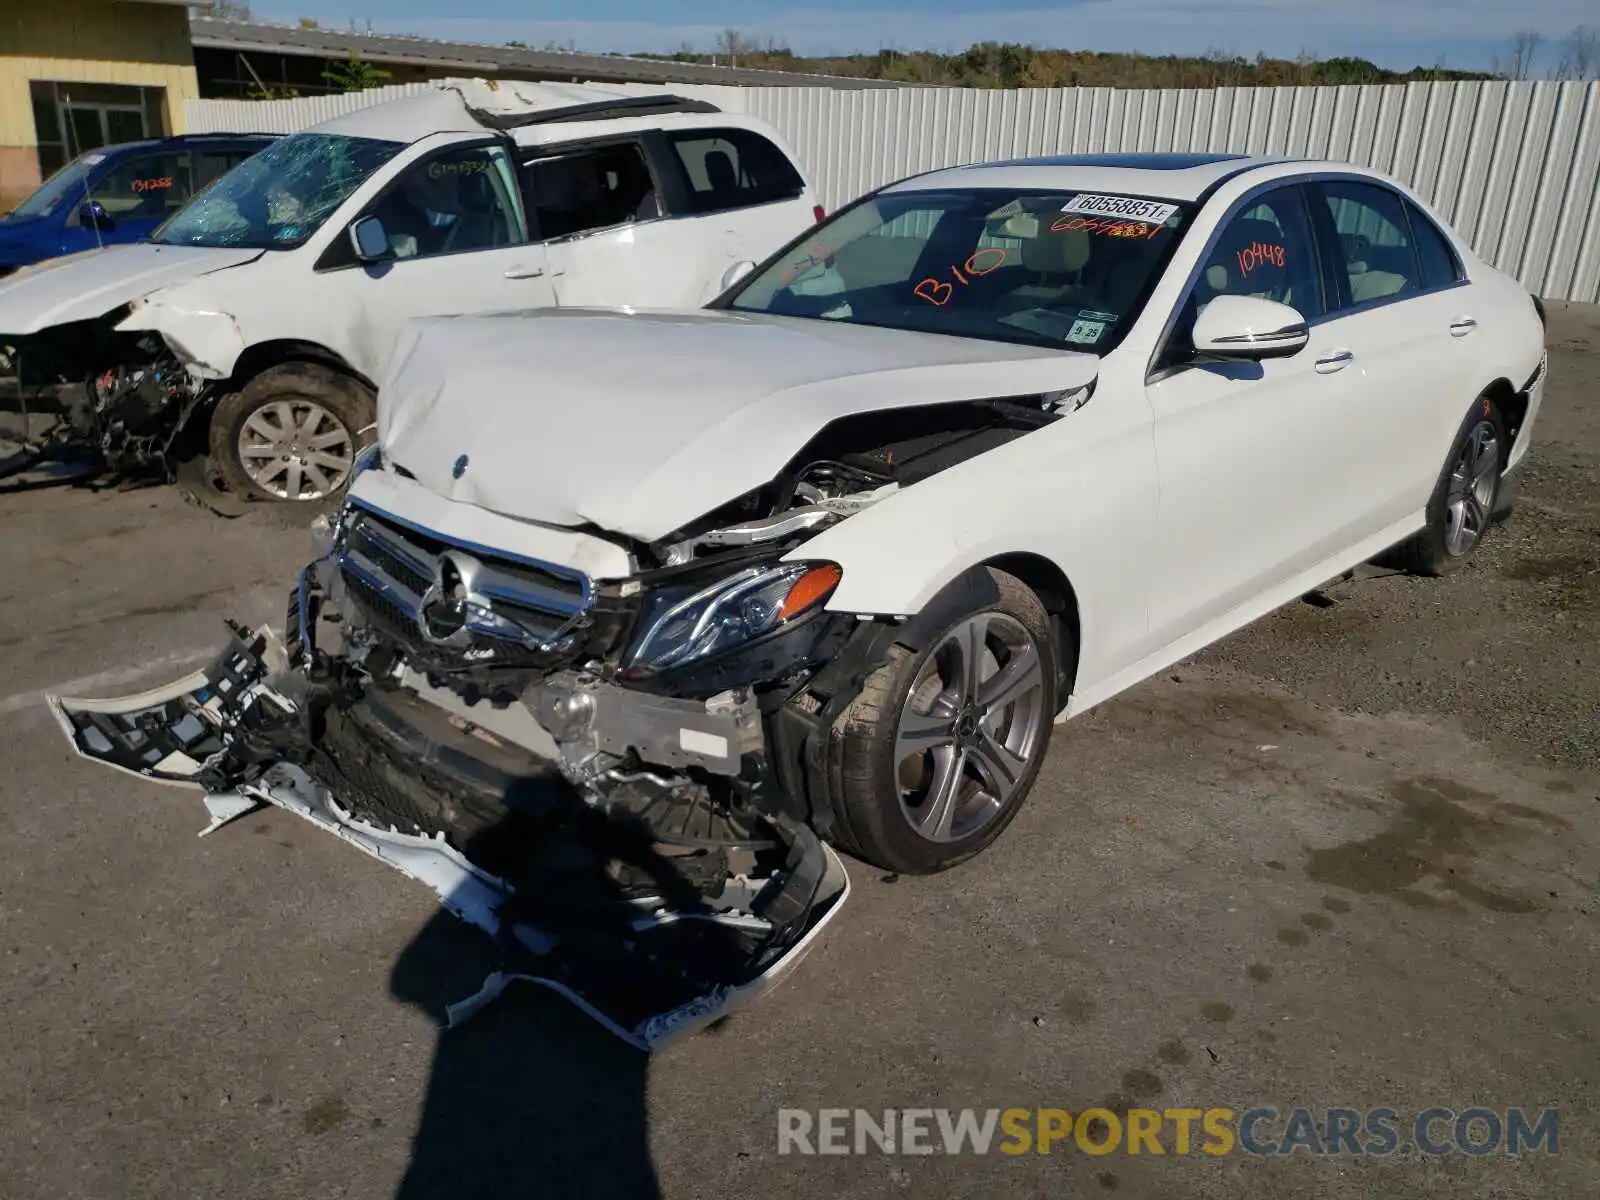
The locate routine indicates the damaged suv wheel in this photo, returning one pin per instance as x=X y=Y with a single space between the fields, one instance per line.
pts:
x=937 y=754
x=291 y=433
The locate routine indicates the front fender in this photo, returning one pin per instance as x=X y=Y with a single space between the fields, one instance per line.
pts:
x=207 y=341
x=1084 y=502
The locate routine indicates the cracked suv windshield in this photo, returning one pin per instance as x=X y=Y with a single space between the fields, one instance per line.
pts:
x=279 y=198
x=1041 y=268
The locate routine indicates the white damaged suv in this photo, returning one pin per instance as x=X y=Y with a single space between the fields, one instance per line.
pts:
x=254 y=323
x=628 y=615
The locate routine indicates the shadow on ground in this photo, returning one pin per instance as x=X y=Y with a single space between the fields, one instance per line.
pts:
x=532 y=1096
x=529 y=1098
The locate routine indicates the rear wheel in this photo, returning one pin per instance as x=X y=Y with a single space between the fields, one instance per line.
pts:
x=1465 y=499
x=942 y=746
x=291 y=433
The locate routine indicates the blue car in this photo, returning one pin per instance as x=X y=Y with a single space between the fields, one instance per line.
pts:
x=117 y=194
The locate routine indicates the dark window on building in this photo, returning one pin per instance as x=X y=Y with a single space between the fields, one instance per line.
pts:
x=71 y=118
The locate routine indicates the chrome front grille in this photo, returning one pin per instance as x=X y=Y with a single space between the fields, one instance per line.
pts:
x=389 y=568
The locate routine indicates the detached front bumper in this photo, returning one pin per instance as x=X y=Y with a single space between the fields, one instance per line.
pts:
x=651 y=962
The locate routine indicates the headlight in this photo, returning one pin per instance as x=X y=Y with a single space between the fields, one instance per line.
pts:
x=682 y=625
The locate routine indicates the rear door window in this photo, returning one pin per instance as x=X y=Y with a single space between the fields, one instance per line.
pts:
x=733 y=168
x=1372 y=242
x=589 y=189
x=1440 y=266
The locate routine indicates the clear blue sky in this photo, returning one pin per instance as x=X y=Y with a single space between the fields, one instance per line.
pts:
x=1394 y=33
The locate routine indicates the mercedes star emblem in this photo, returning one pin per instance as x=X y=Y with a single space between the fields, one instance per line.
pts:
x=446 y=605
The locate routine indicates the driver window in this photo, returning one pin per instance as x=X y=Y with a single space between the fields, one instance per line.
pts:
x=458 y=200
x=1265 y=251
x=148 y=188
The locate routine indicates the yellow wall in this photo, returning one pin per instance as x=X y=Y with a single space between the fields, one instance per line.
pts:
x=86 y=41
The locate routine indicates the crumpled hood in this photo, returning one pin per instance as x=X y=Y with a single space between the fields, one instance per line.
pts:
x=640 y=422
x=81 y=286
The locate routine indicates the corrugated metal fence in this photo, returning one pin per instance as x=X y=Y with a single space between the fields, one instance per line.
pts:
x=1514 y=167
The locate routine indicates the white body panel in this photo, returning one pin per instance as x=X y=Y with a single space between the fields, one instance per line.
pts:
x=1179 y=506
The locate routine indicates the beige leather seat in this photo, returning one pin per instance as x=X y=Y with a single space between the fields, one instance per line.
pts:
x=1367 y=284
x=1052 y=262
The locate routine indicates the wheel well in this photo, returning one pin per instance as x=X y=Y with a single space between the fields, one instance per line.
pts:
x=259 y=357
x=1054 y=590
x=1513 y=406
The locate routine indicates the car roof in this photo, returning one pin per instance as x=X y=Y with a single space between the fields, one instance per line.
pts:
x=477 y=106
x=1181 y=177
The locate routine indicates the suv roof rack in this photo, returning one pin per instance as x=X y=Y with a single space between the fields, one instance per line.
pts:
x=602 y=110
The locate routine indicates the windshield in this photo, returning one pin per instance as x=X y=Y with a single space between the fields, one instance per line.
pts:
x=280 y=197
x=1069 y=270
x=68 y=184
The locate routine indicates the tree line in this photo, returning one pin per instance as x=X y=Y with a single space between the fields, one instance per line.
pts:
x=1011 y=65
x=1527 y=55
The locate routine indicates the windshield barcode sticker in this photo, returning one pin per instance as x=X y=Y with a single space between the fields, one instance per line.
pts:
x=1120 y=206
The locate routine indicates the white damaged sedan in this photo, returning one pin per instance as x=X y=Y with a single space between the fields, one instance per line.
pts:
x=630 y=615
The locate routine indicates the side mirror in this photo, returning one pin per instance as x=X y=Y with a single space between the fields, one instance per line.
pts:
x=1246 y=327
x=735 y=273
x=93 y=214
x=369 y=240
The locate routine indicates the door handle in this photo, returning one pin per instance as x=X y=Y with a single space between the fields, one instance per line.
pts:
x=524 y=272
x=1463 y=327
x=1338 y=360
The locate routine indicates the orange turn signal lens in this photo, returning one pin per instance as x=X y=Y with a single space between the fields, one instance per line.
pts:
x=810 y=590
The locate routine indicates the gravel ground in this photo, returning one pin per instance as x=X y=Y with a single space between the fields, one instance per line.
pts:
x=1349 y=858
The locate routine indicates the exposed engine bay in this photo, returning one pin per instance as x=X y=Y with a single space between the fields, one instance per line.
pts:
x=96 y=399
x=621 y=780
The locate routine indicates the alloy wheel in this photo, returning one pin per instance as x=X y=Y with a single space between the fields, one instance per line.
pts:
x=296 y=450
x=1469 y=499
x=971 y=725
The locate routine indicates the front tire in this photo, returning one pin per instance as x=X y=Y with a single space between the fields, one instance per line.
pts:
x=1464 y=501
x=291 y=433
x=935 y=756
